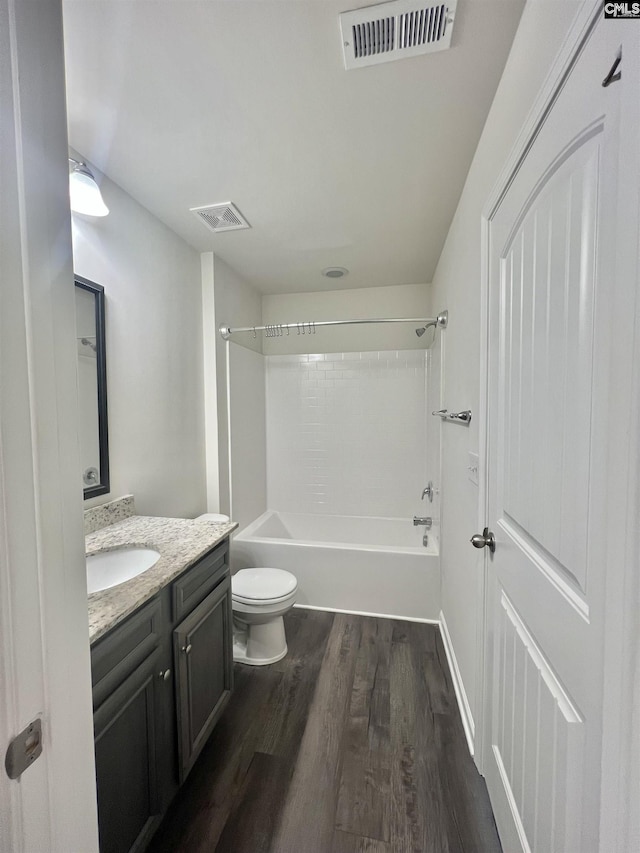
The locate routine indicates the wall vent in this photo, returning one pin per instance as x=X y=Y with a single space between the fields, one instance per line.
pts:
x=395 y=30
x=221 y=217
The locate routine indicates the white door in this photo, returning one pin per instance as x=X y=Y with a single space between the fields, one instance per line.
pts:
x=44 y=649
x=552 y=253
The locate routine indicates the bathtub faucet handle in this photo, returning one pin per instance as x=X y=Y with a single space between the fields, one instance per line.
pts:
x=427 y=521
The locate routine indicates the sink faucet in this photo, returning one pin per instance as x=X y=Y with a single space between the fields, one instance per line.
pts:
x=427 y=521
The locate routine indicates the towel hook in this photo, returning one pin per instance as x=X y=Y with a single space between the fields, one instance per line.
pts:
x=612 y=77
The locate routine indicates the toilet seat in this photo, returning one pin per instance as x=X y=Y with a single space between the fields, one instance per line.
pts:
x=261 y=602
x=262 y=586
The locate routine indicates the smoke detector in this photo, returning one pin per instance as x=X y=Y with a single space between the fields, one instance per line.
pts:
x=221 y=217
x=395 y=30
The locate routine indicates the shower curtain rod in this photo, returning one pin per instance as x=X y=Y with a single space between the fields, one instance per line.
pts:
x=276 y=330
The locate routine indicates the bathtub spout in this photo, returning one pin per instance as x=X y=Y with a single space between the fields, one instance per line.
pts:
x=427 y=521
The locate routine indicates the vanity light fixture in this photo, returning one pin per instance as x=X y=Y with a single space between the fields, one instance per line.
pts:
x=84 y=192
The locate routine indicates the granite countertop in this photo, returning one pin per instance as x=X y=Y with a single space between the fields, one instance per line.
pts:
x=180 y=542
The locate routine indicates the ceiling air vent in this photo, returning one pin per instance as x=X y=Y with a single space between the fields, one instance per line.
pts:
x=221 y=217
x=395 y=30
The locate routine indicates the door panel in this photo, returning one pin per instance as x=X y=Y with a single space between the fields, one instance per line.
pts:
x=126 y=762
x=548 y=293
x=204 y=672
x=551 y=252
x=537 y=736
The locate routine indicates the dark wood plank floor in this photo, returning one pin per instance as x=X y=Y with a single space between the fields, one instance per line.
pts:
x=351 y=744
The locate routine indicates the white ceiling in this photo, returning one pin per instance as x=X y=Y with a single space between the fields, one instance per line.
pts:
x=191 y=102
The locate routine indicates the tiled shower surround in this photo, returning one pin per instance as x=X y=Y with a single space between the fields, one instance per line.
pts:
x=347 y=432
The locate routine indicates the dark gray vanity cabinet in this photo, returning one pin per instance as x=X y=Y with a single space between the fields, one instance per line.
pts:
x=161 y=678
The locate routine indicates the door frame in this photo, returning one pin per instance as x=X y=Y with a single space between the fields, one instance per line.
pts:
x=622 y=651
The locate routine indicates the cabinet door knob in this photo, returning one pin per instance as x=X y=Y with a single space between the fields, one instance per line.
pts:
x=186 y=649
x=166 y=675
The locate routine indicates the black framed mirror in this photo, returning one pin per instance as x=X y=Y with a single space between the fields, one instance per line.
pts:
x=92 y=387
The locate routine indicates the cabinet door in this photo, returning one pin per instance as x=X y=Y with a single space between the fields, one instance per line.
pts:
x=126 y=764
x=203 y=651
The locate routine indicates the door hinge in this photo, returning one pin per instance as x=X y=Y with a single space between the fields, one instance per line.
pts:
x=24 y=749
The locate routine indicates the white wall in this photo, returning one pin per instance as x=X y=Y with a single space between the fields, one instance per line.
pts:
x=153 y=310
x=228 y=300
x=456 y=285
x=411 y=300
x=346 y=433
x=248 y=434
x=433 y=431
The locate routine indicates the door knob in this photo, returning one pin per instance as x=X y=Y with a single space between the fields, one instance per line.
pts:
x=484 y=538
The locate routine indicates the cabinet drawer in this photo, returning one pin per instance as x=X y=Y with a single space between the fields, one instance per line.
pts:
x=123 y=649
x=196 y=583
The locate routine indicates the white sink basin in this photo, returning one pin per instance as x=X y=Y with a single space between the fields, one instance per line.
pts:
x=109 y=568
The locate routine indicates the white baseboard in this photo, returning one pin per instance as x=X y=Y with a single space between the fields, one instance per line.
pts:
x=461 y=694
x=364 y=613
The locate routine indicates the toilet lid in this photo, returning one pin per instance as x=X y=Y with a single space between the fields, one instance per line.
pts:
x=262 y=584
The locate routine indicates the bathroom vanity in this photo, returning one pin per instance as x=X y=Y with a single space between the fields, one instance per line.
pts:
x=162 y=670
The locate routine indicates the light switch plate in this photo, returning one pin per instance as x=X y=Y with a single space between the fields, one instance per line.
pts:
x=472 y=467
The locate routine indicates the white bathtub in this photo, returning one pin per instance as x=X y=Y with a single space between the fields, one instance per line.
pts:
x=377 y=566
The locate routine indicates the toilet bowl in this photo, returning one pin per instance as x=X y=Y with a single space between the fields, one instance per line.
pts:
x=260 y=598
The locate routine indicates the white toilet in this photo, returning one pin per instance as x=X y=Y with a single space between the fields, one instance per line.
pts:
x=260 y=598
